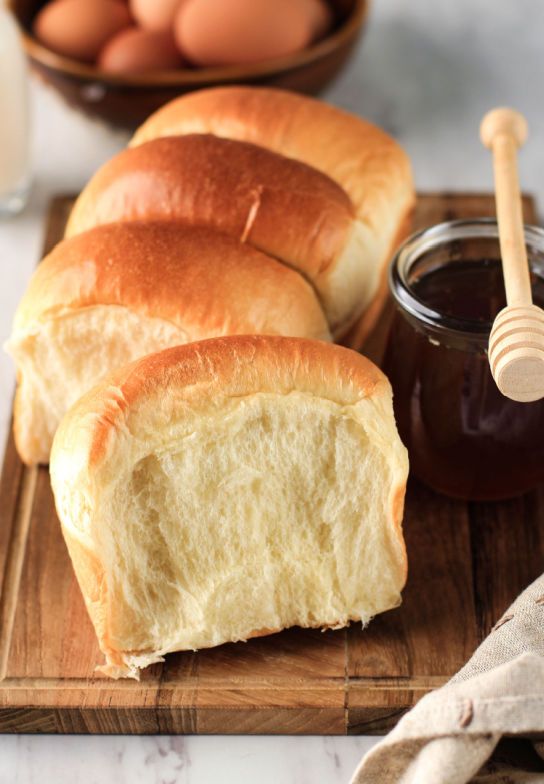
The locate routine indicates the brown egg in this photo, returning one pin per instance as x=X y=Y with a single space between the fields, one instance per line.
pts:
x=80 y=28
x=320 y=16
x=135 y=51
x=223 y=32
x=155 y=14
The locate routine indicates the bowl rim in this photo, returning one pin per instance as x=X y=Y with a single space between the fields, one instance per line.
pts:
x=201 y=76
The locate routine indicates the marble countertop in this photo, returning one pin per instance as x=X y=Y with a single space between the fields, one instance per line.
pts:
x=426 y=71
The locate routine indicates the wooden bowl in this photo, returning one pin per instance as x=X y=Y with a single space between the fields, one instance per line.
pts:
x=126 y=101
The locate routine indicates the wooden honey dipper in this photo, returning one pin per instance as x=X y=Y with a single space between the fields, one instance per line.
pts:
x=516 y=342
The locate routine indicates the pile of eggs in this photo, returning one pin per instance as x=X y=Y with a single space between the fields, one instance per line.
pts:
x=149 y=35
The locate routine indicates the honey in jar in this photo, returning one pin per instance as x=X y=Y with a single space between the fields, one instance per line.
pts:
x=464 y=438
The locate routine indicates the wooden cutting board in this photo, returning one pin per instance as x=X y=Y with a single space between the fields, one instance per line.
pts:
x=467 y=563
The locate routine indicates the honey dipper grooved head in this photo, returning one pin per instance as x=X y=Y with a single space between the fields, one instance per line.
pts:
x=500 y=122
x=516 y=352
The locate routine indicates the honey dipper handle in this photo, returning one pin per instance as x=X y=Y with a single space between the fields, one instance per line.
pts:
x=503 y=131
x=516 y=342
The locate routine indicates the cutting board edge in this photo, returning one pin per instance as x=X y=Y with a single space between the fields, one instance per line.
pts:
x=365 y=705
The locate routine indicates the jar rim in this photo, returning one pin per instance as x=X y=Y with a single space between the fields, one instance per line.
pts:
x=428 y=239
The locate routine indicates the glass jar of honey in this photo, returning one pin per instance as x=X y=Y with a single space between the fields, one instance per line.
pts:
x=464 y=438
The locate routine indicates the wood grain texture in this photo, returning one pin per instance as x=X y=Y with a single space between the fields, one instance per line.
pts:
x=467 y=563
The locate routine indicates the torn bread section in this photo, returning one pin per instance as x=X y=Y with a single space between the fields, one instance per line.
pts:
x=122 y=290
x=214 y=490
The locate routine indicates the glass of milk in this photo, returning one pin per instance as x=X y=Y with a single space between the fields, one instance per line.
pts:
x=14 y=118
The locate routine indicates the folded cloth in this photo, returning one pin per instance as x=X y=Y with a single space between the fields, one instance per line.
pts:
x=453 y=735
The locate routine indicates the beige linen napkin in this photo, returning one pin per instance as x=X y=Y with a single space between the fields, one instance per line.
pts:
x=453 y=735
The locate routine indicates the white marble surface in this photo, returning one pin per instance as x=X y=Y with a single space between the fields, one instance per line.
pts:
x=26 y=759
x=427 y=70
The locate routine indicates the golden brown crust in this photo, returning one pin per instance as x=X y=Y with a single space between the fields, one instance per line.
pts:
x=357 y=336
x=133 y=409
x=397 y=512
x=198 y=279
x=204 y=372
x=280 y=206
x=365 y=161
x=369 y=165
x=94 y=588
x=92 y=582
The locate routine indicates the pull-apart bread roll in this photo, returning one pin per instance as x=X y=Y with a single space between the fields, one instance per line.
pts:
x=366 y=162
x=289 y=210
x=230 y=488
x=120 y=291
